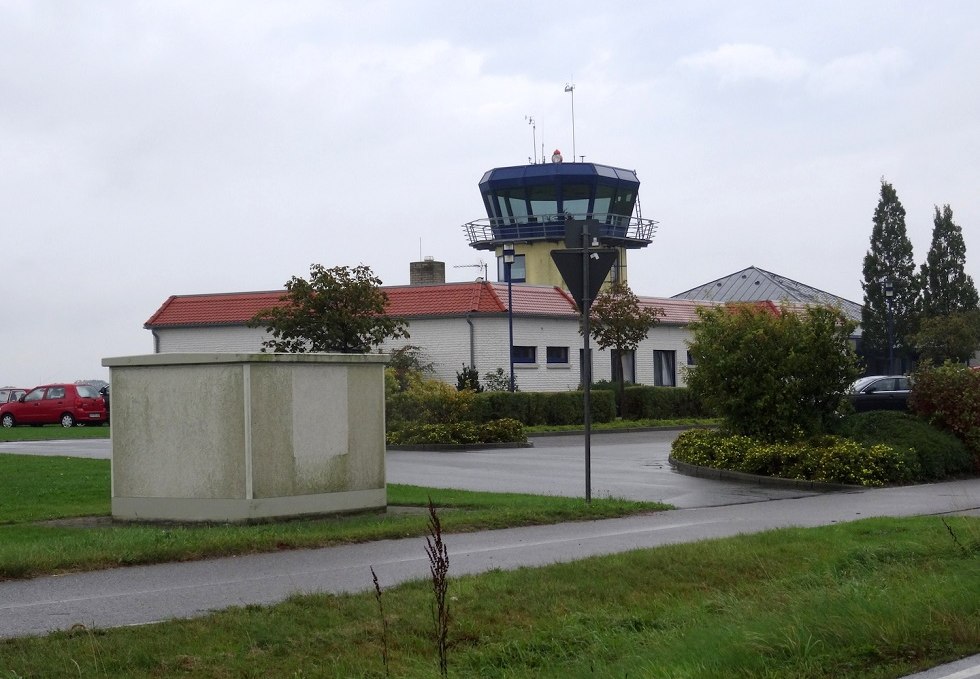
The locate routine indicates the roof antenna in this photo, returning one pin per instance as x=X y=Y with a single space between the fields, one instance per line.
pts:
x=570 y=88
x=534 y=139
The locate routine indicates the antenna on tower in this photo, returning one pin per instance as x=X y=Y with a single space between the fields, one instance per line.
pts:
x=570 y=89
x=534 y=139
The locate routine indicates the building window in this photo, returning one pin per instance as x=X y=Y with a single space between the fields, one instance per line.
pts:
x=664 y=368
x=524 y=354
x=690 y=359
x=558 y=355
x=518 y=274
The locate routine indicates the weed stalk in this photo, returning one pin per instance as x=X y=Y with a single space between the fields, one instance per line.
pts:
x=438 y=555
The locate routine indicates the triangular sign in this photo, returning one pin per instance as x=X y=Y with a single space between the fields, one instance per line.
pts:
x=569 y=263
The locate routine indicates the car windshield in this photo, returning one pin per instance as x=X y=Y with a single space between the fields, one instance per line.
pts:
x=863 y=382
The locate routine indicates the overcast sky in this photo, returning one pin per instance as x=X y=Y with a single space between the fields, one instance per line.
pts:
x=157 y=148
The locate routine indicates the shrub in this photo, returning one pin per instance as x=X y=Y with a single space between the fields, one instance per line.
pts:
x=660 y=403
x=949 y=397
x=429 y=401
x=829 y=459
x=458 y=433
x=772 y=373
x=938 y=453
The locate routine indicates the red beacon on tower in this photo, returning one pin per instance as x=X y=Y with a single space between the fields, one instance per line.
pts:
x=556 y=156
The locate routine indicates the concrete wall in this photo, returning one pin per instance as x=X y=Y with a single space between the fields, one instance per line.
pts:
x=234 y=437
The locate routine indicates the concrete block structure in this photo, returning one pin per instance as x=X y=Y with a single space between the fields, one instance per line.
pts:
x=246 y=436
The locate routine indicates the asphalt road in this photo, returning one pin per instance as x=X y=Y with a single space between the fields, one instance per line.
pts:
x=628 y=465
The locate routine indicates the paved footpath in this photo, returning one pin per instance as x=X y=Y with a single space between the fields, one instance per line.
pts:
x=139 y=595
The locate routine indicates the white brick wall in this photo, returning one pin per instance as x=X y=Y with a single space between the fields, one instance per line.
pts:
x=446 y=343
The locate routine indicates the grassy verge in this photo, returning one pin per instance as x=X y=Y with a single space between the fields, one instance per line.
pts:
x=619 y=425
x=35 y=489
x=52 y=432
x=878 y=598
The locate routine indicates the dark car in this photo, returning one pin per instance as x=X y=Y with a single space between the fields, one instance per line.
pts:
x=8 y=394
x=64 y=404
x=881 y=392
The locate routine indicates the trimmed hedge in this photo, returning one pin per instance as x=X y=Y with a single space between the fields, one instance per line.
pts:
x=939 y=454
x=458 y=433
x=660 y=403
x=530 y=408
x=828 y=459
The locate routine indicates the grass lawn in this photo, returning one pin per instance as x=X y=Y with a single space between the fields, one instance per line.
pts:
x=52 y=432
x=871 y=599
x=52 y=489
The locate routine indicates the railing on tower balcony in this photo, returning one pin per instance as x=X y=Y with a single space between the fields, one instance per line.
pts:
x=614 y=230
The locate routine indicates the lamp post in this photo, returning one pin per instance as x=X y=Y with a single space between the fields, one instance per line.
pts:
x=889 y=298
x=570 y=88
x=508 y=263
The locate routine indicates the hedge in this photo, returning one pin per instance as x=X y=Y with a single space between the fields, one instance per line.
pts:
x=530 y=408
x=660 y=403
x=458 y=433
x=828 y=459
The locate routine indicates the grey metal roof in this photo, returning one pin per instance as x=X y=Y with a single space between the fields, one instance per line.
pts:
x=757 y=285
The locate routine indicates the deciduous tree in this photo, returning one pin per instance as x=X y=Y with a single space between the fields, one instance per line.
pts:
x=341 y=310
x=775 y=374
x=618 y=321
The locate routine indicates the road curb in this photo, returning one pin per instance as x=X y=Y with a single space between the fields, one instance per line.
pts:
x=689 y=469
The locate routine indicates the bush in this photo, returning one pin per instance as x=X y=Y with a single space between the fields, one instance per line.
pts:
x=775 y=374
x=660 y=403
x=458 y=433
x=431 y=402
x=938 y=453
x=828 y=459
x=949 y=397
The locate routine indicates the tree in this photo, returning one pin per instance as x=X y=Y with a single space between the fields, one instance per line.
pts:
x=952 y=337
x=775 y=374
x=617 y=321
x=946 y=288
x=341 y=310
x=889 y=260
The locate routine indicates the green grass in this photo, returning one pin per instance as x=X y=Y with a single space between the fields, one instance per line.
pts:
x=34 y=489
x=620 y=425
x=872 y=599
x=52 y=432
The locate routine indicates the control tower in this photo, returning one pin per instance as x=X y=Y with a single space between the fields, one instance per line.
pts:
x=527 y=206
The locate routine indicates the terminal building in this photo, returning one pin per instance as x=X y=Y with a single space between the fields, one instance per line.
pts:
x=466 y=324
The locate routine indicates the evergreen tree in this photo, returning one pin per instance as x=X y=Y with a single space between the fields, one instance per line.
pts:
x=946 y=288
x=889 y=259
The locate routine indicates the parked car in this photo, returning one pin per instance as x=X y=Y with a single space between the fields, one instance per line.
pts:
x=881 y=392
x=8 y=394
x=64 y=404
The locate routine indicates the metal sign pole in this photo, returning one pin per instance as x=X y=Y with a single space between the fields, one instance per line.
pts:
x=587 y=368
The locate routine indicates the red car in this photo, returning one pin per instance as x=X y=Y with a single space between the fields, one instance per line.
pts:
x=64 y=404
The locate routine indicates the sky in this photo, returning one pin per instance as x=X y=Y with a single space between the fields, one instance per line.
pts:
x=150 y=149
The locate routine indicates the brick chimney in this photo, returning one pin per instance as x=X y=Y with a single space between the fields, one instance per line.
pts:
x=427 y=272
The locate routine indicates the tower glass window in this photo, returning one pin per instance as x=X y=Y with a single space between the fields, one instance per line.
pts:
x=575 y=200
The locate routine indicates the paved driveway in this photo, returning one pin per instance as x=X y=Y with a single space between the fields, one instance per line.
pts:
x=625 y=465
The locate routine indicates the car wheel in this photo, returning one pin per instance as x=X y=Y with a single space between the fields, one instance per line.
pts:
x=67 y=421
x=7 y=420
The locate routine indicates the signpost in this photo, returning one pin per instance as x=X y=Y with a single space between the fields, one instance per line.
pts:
x=584 y=265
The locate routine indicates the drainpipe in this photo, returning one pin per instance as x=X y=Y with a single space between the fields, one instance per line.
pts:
x=156 y=341
x=469 y=321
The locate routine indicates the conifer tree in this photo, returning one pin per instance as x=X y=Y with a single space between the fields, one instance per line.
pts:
x=946 y=288
x=888 y=260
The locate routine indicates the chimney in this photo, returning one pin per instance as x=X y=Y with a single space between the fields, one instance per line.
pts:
x=427 y=272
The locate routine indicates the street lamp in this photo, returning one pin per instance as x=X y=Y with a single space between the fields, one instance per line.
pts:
x=889 y=298
x=508 y=264
x=570 y=88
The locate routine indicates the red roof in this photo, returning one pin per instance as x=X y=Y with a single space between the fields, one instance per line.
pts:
x=448 y=299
